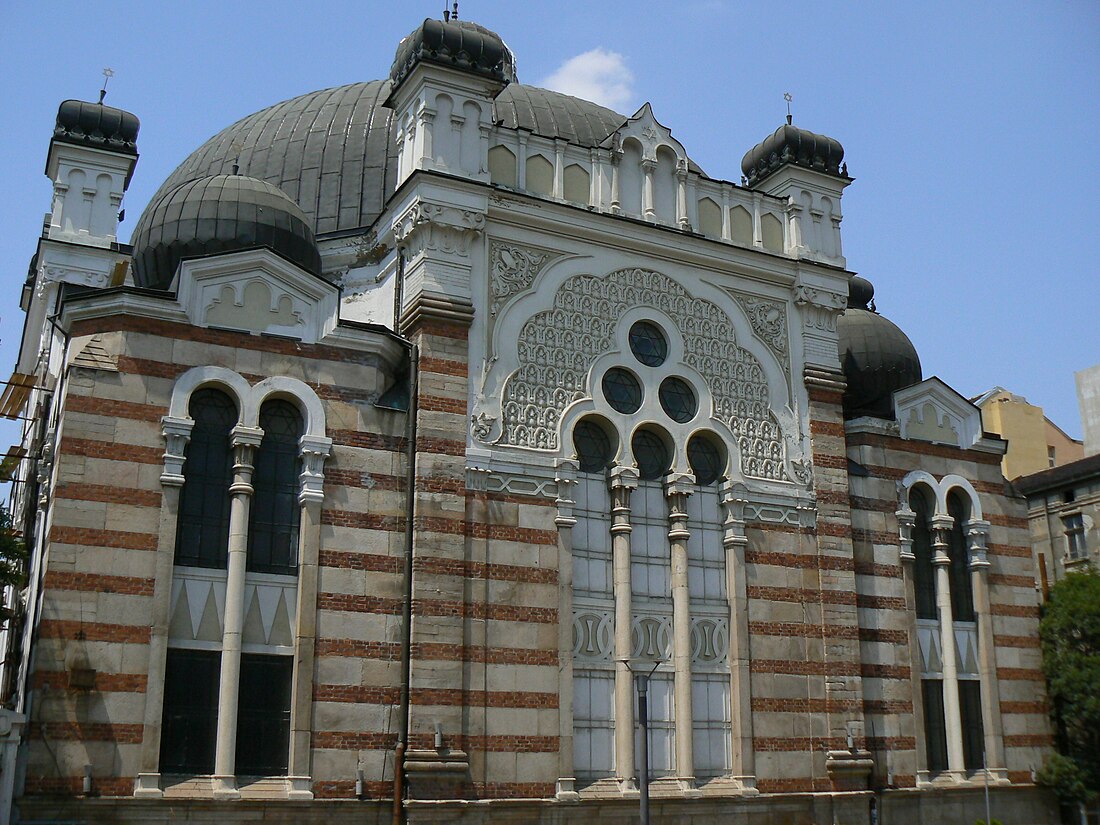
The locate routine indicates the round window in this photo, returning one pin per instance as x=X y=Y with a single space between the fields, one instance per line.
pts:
x=650 y=454
x=705 y=459
x=678 y=400
x=648 y=343
x=622 y=390
x=593 y=446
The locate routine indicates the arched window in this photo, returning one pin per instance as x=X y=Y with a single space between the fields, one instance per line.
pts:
x=202 y=530
x=962 y=595
x=924 y=577
x=275 y=514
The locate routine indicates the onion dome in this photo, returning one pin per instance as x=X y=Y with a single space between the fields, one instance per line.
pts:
x=96 y=125
x=458 y=44
x=877 y=357
x=216 y=214
x=789 y=144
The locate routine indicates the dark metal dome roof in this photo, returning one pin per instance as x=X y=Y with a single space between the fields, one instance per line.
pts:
x=96 y=125
x=459 y=44
x=789 y=144
x=877 y=357
x=219 y=213
x=333 y=151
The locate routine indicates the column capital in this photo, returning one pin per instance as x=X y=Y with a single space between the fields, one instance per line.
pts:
x=242 y=436
x=907 y=520
x=313 y=450
x=177 y=434
x=679 y=484
x=977 y=536
x=565 y=477
x=623 y=477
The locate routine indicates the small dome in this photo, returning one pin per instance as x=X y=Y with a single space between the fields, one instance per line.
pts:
x=789 y=144
x=93 y=124
x=220 y=213
x=877 y=357
x=459 y=44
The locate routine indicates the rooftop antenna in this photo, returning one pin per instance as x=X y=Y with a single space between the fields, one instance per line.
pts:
x=454 y=11
x=107 y=75
x=787 y=96
x=446 y=14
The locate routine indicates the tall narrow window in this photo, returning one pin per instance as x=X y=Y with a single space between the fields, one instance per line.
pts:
x=924 y=577
x=263 y=715
x=962 y=594
x=189 y=725
x=935 y=729
x=970 y=709
x=273 y=522
x=202 y=531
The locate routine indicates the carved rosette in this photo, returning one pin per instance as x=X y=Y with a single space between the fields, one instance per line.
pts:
x=558 y=346
x=769 y=323
x=513 y=269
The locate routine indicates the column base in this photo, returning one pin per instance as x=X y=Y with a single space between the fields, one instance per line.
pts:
x=565 y=790
x=299 y=787
x=225 y=787
x=628 y=787
x=147 y=786
x=688 y=787
x=849 y=770
x=941 y=779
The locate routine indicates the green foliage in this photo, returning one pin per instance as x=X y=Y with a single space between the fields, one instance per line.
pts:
x=982 y=821
x=13 y=554
x=1070 y=636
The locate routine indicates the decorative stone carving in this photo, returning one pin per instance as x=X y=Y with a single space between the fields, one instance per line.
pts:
x=72 y=275
x=427 y=226
x=769 y=323
x=710 y=641
x=593 y=635
x=313 y=451
x=820 y=306
x=557 y=347
x=651 y=637
x=513 y=268
x=258 y=309
x=481 y=426
x=177 y=434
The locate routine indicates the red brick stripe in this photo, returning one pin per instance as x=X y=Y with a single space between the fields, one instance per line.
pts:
x=876 y=634
x=1007 y=521
x=803 y=561
x=875 y=536
x=1014 y=550
x=90 y=537
x=106 y=786
x=802 y=629
x=370 y=740
x=880 y=602
x=481 y=570
x=443 y=366
x=1029 y=740
x=873 y=671
x=113 y=450
x=1012 y=581
x=351 y=603
x=363 y=521
x=818 y=427
x=801 y=667
x=1015 y=641
x=92 y=631
x=921 y=448
x=386 y=651
x=800 y=595
x=114 y=409
x=104 y=682
x=498 y=612
x=88 y=732
x=1026 y=611
x=345 y=789
x=372 y=562
x=422 y=651
x=832 y=462
x=442 y=446
x=435 y=403
x=887 y=706
x=367 y=440
x=1024 y=674
x=98 y=583
x=883 y=571
x=832 y=528
x=1023 y=707
x=763 y=704
x=76 y=491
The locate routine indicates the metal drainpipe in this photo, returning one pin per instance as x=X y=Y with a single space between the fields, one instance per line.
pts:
x=406 y=606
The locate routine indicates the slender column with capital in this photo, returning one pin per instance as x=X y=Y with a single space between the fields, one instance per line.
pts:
x=245 y=442
x=624 y=480
x=735 y=541
x=907 y=520
x=941 y=529
x=648 y=210
x=678 y=487
x=616 y=202
x=682 y=218
x=425 y=126
x=977 y=534
x=566 y=480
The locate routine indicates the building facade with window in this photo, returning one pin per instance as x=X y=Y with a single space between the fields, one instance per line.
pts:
x=422 y=416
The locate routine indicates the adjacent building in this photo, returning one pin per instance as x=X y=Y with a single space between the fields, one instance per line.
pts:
x=422 y=415
x=1035 y=443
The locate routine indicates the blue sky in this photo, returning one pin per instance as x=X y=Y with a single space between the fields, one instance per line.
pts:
x=966 y=125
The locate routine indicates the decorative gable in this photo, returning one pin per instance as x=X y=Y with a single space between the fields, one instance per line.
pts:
x=259 y=292
x=932 y=411
x=651 y=134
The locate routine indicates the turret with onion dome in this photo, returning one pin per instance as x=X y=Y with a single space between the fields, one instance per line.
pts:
x=96 y=125
x=799 y=147
x=877 y=357
x=456 y=44
x=217 y=214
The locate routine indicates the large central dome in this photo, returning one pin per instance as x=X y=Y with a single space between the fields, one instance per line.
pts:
x=333 y=151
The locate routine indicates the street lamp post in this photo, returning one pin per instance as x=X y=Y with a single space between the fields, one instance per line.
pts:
x=643 y=761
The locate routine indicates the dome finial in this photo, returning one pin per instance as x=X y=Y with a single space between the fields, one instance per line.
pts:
x=787 y=96
x=108 y=73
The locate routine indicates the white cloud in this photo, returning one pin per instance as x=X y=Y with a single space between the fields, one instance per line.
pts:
x=599 y=75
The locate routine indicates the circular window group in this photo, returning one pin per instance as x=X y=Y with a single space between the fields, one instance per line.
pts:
x=595 y=442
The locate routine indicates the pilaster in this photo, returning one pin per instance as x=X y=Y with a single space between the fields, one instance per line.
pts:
x=623 y=481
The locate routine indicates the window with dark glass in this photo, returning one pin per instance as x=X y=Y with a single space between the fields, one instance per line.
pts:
x=650 y=454
x=593 y=446
x=648 y=343
x=678 y=399
x=705 y=459
x=273 y=520
x=935 y=729
x=202 y=529
x=263 y=715
x=970 y=709
x=622 y=390
x=962 y=595
x=189 y=725
x=924 y=577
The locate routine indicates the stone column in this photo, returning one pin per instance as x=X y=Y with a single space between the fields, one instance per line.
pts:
x=648 y=212
x=566 y=480
x=559 y=169
x=734 y=540
x=941 y=529
x=624 y=480
x=521 y=160
x=595 y=182
x=616 y=201
x=678 y=486
x=682 y=218
x=907 y=520
x=423 y=136
x=313 y=451
x=977 y=534
x=245 y=442
x=177 y=434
